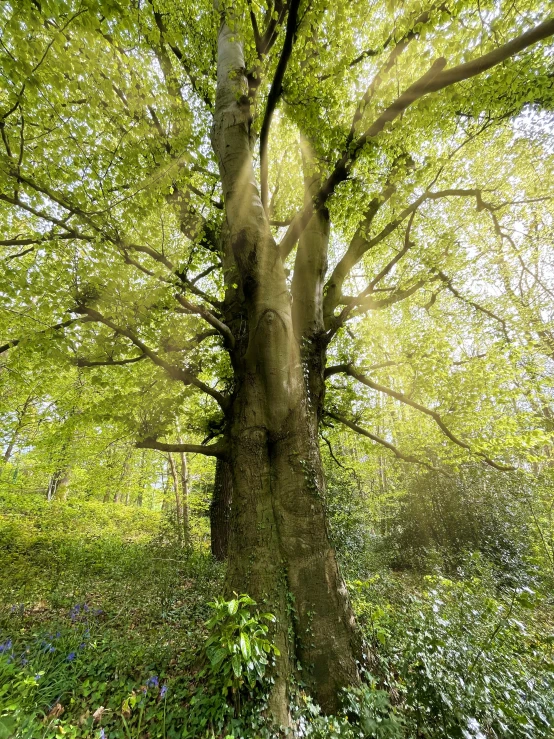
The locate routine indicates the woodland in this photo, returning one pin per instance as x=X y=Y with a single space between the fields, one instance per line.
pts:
x=276 y=369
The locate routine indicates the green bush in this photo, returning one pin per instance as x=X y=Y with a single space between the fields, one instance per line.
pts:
x=463 y=659
x=442 y=518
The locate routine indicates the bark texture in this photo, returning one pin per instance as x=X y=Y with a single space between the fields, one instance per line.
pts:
x=220 y=510
x=279 y=549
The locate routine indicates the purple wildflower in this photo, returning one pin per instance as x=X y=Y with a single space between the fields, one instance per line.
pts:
x=152 y=682
x=71 y=656
x=163 y=691
x=6 y=646
x=102 y=734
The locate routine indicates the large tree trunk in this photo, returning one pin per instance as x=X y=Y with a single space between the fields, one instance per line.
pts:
x=279 y=549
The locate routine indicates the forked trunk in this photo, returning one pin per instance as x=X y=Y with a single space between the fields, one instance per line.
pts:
x=279 y=550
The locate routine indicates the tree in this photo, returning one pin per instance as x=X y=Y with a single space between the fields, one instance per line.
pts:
x=177 y=179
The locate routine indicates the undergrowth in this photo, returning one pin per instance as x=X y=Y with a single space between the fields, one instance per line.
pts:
x=110 y=630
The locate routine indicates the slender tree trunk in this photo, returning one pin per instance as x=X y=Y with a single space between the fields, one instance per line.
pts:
x=21 y=417
x=220 y=509
x=178 y=508
x=11 y=444
x=185 y=499
x=141 y=483
x=279 y=550
x=52 y=485
x=59 y=485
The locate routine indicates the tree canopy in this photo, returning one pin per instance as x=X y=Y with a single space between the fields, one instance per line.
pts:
x=437 y=299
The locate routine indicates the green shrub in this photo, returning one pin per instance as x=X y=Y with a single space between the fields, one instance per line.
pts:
x=441 y=518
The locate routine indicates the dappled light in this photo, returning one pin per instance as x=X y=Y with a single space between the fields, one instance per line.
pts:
x=276 y=369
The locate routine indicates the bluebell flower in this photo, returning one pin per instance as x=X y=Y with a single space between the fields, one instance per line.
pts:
x=163 y=691
x=57 y=635
x=102 y=734
x=37 y=678
x=24 y=661
x=152 y=682
x=82 y=645
x=6 y=646
x=52 y=649
x=71 y=656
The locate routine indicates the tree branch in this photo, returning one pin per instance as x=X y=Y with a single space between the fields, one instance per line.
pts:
x=449 y=286
x=348 y=369
x=82 y=362
x=212 y=450
x=56 y=327
x=360 y=244
x=222 y=328
x=360 y=304
x=437 y=78
x=177 y=373
x=397 y=453
x=274 y=95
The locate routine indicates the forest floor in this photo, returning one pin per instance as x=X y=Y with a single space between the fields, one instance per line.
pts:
x=102 y=622
x=98 y=617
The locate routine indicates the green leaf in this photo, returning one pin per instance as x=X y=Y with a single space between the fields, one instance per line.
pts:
x=245 y=645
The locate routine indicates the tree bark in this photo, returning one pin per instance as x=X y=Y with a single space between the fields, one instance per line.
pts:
x=220 y=509
x=279 y=550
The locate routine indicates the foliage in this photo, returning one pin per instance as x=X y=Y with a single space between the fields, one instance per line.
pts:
x=367 y=713
x=448 y=655
x=433 y=335
x=238 y=648
x=463 y=659
x=445 y=517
